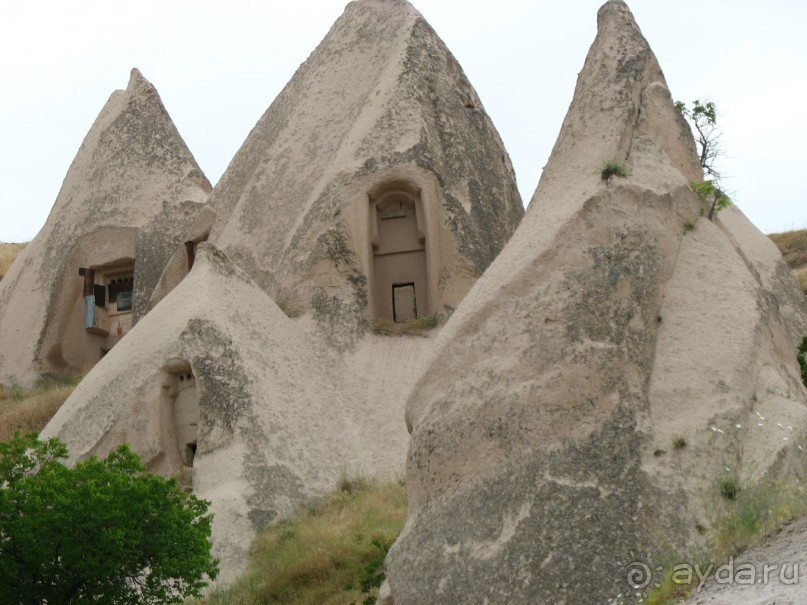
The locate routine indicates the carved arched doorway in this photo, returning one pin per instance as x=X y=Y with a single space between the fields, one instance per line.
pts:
x=400 y=291
x=183 y=411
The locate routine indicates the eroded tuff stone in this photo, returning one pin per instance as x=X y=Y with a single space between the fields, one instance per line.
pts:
x=380 y=112
x=159 y=242
x=132 y=168
x=541 y=453
x=230 y=399
x=379 y=125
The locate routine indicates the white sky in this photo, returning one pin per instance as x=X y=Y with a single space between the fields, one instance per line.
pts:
x=218 y=66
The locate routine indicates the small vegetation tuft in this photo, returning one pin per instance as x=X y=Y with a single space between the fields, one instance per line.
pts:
x=668 y=592
x=331 y=555
x=612 y=169
x=415 y=326
x=712 y=197
x=802 y=357
x=729 y=487
x=801 y=279
x=29 y=410
x=679 y=442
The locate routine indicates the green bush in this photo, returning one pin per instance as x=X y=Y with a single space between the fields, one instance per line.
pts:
x=802 y=357
x=103 y=532
x=729 y=487
x=611 y=169
x=712 y=196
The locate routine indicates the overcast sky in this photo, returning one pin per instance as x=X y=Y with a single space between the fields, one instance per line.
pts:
x=218 y=65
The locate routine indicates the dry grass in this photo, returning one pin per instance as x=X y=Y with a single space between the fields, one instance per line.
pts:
x=8 y=252
x=739 y=522
x=29 y=410
x=414 y=326
x=793 y=246
x=324 y=556
x=801 y=278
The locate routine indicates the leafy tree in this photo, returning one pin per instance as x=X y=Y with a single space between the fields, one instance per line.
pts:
x=712 y=196
x=702 y=119
x=103 y=532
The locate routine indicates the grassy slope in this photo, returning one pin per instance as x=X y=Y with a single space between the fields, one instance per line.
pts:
x=29 y=410
x=330 y=555
x=793 y=245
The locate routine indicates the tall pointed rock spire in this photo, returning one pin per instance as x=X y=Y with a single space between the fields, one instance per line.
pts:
x=236 y=406
x=132 y=168
x=380 y=114
x=616 y=321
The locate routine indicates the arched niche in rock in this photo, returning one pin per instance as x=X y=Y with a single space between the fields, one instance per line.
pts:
x=180 y=417
x=91 y=307
x=399 y=273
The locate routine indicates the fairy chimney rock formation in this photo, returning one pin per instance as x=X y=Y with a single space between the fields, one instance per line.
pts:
x=232 y=403
x=542 y=449
x=575 y=347
x=132 y=168
x=375 y=187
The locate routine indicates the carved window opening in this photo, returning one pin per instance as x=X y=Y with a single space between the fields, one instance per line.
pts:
x=120 y=290
x=189 y=454
x=184 y=412
x=108 y=295
x=399 y=250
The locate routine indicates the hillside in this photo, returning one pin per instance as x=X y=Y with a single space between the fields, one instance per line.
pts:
x=793 y=245
x=31 y=409
x=8 y=252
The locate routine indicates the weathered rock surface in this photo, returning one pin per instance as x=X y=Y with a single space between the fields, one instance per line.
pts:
x=214 y=382
x=542 y=430
x=269 y=429
x=159 y=241
x=132 y=167
x=381 y=105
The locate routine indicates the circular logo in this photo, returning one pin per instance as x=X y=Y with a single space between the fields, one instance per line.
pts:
x=638 y=575
x=635 y=578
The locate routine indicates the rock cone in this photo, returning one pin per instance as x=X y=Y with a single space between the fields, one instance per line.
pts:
x=380 y=123
x=132 y=170
x=231 y=402
x=616 y=321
